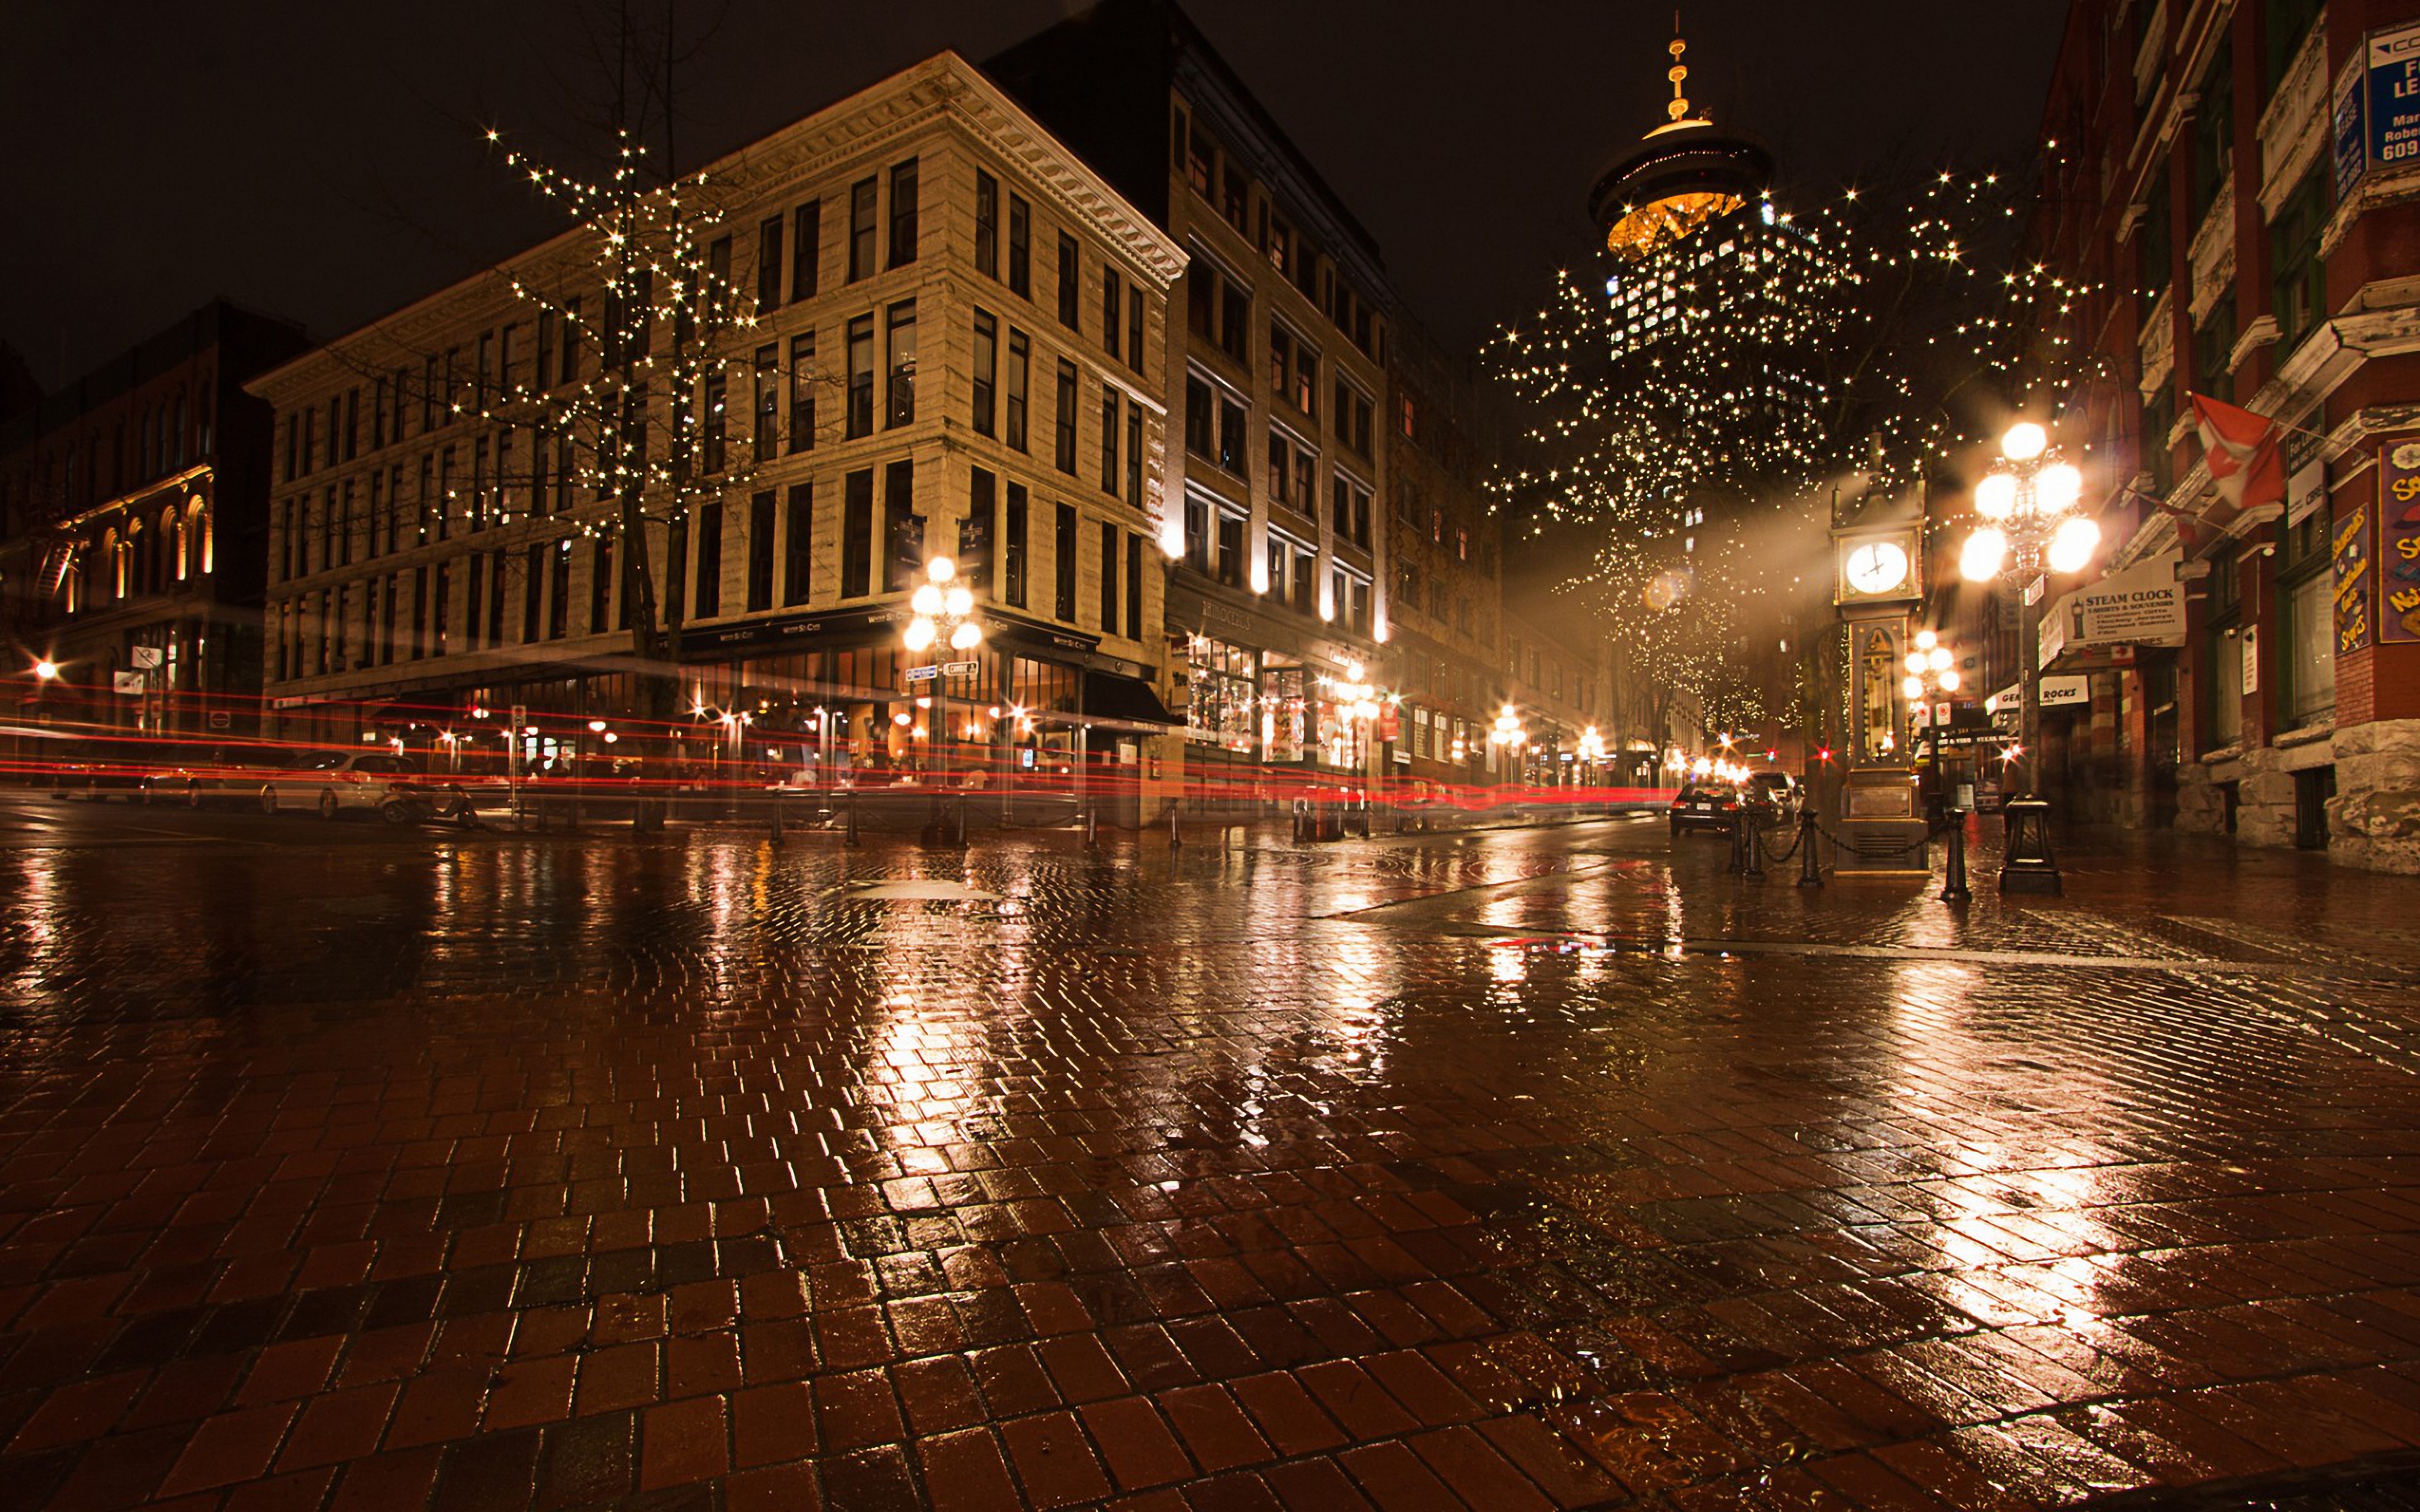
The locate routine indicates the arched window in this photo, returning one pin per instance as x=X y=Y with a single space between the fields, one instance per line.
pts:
x=196 y=560
x=167 y=551
x=112 y=566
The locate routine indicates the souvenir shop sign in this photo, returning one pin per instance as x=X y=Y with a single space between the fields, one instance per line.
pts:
x=2353 y=621
x=2398 y=541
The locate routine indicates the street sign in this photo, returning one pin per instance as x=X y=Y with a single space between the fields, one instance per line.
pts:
x=125 y=683
x=220 y=719
x=144 y=657
x=520 y=715
x=961 y=669
x=923 y=674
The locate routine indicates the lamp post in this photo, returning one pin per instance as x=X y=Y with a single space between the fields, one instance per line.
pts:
x=944 y=612
x=2028 y=505
x=1592 y=752
x=1508 y=736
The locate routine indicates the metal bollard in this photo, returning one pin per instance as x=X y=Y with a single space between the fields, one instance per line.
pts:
x=848 y=812
x=1754 y=871
x=1953 y=881
x=1810 y=871
x=1175 y=838
x=1737 y=862
x=1092 y=826
x=777 y=813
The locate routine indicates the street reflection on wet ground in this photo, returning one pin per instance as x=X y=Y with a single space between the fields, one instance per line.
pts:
x=1546 y=1167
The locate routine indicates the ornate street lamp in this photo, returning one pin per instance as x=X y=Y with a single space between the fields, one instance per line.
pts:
x=2028 y=504
x=1507 y=734
x=945 y=616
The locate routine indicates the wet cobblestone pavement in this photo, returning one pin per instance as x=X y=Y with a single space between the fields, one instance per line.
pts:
x=1541 y=1168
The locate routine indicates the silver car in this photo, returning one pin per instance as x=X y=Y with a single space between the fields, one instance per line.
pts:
x=333 y=781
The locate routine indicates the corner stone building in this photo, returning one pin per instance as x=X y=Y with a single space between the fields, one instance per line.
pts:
x=2243 y=230
x=950 y=342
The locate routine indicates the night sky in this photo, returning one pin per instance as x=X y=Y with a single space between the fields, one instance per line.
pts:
x=323 y=162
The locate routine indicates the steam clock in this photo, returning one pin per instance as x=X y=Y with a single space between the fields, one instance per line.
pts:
x=1878 y=571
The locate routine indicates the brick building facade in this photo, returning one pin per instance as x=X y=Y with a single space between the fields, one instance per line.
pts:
x=134 y=506
x=2204 y=181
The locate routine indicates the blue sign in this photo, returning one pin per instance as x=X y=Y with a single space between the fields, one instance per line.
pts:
x=2347 y=123
x=2377 y=116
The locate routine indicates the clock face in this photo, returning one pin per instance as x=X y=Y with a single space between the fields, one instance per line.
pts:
x=1877 y=567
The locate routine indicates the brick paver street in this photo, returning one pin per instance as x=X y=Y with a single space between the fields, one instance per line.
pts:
x=1533 y=1168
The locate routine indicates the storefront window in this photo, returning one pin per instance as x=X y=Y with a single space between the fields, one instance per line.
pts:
x=1288 y=723
x=2310 y=651
x=1224 y=694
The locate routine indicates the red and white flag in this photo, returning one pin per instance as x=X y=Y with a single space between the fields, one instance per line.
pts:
x=2242 y=451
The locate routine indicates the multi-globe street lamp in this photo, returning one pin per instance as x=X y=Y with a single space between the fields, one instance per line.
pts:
x=1507 y=735
x=944 y=616
x=2028 y=504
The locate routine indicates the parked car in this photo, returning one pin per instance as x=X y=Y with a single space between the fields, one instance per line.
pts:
x=334 y=782
x=1704 y=803
x=1778 y=792
x=195 y=775
x=102 y=766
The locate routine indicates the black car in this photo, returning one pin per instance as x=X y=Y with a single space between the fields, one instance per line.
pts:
x=1705 y=803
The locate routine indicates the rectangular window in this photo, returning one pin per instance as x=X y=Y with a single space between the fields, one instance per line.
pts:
x=976 y=530
x=861 y=229
x=541 y=367
x=475 y=598
x=765 y=437
x=539 y=455
x=1012 y=548
x=533 y=589
x=1134 y=455
x=2285 y=26
x=1063 y=564
x=1021 y=365
x=600 y=582
x=1109 y=578
x=1134 y=587
x=900 y=334
x=558 y=591
x=1071 y=284
x=676 y=572
x=1064 y=418
x=760 y=552
x=1201 y=159
x=986 y=225
x=861 y=376
x=719 y=299
x=709 y=559
x=1134 y=328
x=377 y=415
x=2214 y=348
x=1020 y=249
x=768 y=265
x=717 y=395
x=1112 y=319
x=1231 y=417
x=569 y=371
x=987 y=367
x=857 y=535
x=902 y=214
x=2214 y=130
x=1235 y=321
x=903 y=528
x=1110 y=442
x=806 y=249
x=799 y=544
x=802 y=392
x=1230 y=549
x=1201 y=419
x=2158 y=243
x=2299 y=287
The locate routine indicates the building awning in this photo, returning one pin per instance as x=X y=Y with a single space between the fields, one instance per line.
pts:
x=1113 y=702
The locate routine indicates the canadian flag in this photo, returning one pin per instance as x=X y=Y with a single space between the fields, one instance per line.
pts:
x=2242 y=451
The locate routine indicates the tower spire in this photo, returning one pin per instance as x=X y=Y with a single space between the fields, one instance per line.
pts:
x=1677 y=109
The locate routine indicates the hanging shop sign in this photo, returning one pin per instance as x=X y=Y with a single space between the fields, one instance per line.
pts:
x=2376 y=114
x=2143 y=606
x=2353 y=622
x=2063 y=692
x=2251 y=658
x=2398 y=542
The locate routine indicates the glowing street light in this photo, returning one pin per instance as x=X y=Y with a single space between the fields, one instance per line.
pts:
x=46 y=671
x=944 y=611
